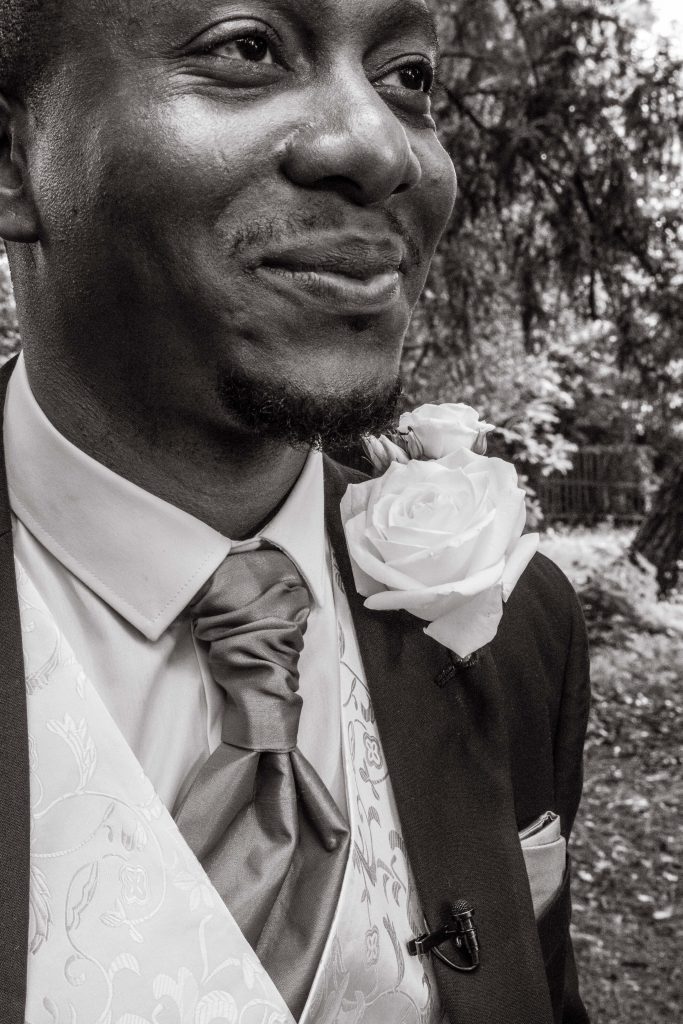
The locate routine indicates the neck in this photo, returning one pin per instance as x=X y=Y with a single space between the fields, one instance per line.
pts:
x=230 y=480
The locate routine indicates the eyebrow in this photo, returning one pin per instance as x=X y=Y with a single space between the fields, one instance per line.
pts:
x=408 y=14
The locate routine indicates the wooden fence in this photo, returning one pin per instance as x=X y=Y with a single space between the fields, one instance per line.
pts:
x=606 y=482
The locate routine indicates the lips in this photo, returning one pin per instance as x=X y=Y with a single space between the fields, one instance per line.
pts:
x=350 y=273
x=351 y=256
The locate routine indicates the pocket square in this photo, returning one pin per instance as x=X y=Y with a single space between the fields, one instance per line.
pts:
x=545 y=856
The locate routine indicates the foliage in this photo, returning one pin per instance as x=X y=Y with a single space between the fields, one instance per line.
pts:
x=565 y=255
x=619 y=596
x=9 y=335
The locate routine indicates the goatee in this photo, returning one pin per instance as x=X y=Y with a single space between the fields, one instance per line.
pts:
x=292 y=415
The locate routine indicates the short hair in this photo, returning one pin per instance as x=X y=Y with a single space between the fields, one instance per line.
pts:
x=28 y=39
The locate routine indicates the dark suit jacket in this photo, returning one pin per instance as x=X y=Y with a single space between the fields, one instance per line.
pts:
x=474 y=755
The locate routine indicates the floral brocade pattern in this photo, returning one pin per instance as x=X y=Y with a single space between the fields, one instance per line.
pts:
x=124 y=926
x=367 y=976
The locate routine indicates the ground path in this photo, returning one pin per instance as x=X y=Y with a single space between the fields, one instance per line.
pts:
x=628 y=840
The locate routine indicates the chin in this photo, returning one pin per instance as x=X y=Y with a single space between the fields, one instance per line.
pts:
x=317 y=345
x=327 y=411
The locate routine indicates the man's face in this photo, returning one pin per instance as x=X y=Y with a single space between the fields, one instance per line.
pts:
x=247 y=188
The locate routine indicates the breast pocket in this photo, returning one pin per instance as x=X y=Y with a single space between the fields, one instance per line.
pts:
x=545 y=857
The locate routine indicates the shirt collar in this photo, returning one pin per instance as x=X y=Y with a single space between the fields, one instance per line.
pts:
x=143 y=556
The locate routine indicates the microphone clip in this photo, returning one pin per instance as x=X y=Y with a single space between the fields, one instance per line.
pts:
x=459 y=930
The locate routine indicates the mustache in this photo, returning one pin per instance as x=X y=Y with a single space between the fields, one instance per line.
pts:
x=262 y=232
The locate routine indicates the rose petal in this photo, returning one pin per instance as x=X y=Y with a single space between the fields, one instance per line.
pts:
x=371 y=567
x=464 y=459
x=444 y=413
x=519 y=525
x=481 y=444
x=444 y=428
x=392 y=451
x=502 y=531
x=445 y=440
x=398 y=543
x=399 y=477
x=504 y=495
x=447 y=516
x=466 y=628
x=419 y=600
x=503 y=474
x=450 y=504
x=355 y=500
x=432 y=565
x=423 y=604
x=375 y=453
x=414 y=446
x=392 y=551
x=518 y=561
x=364 y=582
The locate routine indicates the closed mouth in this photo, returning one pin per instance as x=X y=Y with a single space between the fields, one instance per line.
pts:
x=348 y=254
x=340 y=290
x=352 y=273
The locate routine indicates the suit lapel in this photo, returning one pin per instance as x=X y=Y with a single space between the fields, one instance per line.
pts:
x=445 y=742
x=14 y=772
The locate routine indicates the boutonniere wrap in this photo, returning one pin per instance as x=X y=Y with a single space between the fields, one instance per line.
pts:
x=439 y=532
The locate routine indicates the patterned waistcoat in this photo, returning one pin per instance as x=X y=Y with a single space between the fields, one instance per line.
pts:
x=125 y=927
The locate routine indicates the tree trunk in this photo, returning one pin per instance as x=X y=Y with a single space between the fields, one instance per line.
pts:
x=660 y=537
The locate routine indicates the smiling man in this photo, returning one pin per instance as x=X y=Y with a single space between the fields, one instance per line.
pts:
x=219 y=216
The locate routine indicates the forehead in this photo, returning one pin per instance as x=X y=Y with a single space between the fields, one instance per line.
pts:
x=167 y=20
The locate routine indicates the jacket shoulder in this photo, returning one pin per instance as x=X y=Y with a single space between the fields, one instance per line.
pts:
x=541 y=654
x=543 y=610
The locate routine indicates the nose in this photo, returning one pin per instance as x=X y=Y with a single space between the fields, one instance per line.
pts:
x=353 y=144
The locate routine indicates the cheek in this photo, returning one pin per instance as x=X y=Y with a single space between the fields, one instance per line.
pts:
x=178 y=165
x=438 y=189
x=429 y=206
x=159 y=168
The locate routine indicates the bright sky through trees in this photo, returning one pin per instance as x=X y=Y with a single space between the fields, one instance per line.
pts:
x=669 y=14
x=668 y=10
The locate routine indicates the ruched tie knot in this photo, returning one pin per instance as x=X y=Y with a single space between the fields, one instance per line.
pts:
x=254 y=616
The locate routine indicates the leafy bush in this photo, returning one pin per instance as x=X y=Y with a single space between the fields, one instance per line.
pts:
x=9 y=334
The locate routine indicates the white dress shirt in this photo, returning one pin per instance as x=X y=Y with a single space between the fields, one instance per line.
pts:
x=117 y=567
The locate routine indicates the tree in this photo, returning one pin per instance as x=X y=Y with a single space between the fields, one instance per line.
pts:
x=567 y=140
x=564 y=259
x=660 y=537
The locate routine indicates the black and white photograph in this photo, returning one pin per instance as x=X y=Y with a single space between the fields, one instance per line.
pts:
x=341 y=511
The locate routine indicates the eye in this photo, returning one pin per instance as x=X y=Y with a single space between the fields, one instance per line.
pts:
x=418 y=76
x=254 y=47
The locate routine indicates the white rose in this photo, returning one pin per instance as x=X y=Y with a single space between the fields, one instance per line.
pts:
x=442 y=540
x=442 y=429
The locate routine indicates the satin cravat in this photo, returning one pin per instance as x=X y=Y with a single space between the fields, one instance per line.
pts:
x=258 y=817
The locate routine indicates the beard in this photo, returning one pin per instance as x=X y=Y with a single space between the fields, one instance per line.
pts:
x=290 y=414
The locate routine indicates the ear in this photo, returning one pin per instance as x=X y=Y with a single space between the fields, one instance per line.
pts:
x=18 y=215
